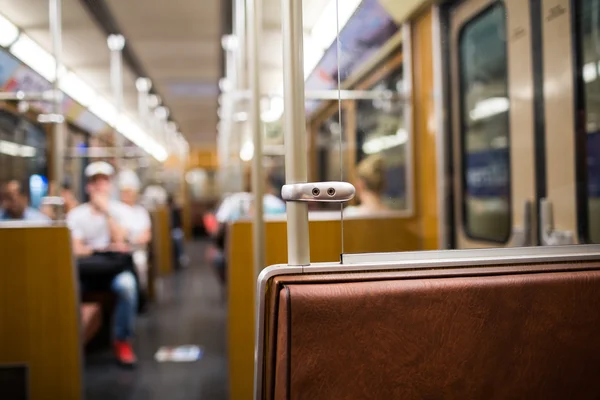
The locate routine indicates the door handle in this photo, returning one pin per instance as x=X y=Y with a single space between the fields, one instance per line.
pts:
x=550 y=236
x=523 y=237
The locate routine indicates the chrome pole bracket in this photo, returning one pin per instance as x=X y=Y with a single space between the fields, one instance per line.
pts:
x=327 y=192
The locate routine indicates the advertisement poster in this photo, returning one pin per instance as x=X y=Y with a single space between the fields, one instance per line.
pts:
x=15 y=76
x=363 y=36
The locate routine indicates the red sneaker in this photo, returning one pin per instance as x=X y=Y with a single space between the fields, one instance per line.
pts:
x=124 y=353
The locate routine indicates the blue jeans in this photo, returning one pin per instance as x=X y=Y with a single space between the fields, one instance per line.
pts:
x=125 y=287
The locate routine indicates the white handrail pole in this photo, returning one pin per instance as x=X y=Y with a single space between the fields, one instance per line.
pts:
x=296 y=165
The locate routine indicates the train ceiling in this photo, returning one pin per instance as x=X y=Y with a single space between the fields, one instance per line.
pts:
x=178 y=42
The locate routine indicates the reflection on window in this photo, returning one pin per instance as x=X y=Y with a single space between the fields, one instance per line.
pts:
x=328 y=144
x=382 y=134
x=22 y=149
x=485 y=126
x=590 y=48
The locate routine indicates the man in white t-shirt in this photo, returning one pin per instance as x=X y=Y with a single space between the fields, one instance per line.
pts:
x=103 y=225
x=140 y=225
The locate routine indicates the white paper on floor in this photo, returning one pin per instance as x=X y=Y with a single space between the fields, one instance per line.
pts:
x=187 y=353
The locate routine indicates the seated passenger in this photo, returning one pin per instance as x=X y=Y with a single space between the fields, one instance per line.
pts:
x=370 y=186
x=68 y=196
x=140 y=229
x=15 y=204
x=234 y=207
x=98 y=226
x=179 y=257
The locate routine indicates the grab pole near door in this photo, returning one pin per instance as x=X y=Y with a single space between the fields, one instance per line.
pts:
x=254 y=9
x=296 y=165
x=116 y=43
x=59 y=134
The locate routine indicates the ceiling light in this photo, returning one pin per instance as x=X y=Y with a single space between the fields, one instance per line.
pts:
x=489 y=107
x=162 y=112
x=116 y=42
x=77 y=89
x=241 y=116
x=104 y=110
x=35 y=57
x=275 y=110
x=325 y=30
x=153 y=101
x=229 y=42
x=128 y=128
x=8 y=32
x=225 y=85
x=172 y=126
x=247 y=151
x=143 y=84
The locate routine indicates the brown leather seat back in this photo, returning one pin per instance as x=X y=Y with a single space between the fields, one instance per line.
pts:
x=455 y=335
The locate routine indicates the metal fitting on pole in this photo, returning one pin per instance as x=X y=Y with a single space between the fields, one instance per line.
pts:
x=296 y=163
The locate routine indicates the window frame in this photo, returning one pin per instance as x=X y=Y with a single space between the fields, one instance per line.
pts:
x=463 y=128
x=580 y=106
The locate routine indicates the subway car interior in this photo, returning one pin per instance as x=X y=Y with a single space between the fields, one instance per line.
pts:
x=299 y=199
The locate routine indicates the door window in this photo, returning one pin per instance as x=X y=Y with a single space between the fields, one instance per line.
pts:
x=589 y=46
x=485 y=126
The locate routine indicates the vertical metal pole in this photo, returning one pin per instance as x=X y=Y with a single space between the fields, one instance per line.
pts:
x=59 y=132
x=440 y=117
x=240 y=34
x=143 y=86
x=116 y=44
x=255 y=25
x=296 y=165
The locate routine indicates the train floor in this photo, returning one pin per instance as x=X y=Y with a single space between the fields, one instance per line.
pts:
x=190 y=311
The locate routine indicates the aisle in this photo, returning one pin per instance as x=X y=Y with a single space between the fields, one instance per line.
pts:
x=190 y=311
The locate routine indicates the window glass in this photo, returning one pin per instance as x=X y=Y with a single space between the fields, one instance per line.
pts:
x=22 y=150
x=328 y=145
x=590 y=48
x=329 y=135
x=485 y=126
x=382 y=139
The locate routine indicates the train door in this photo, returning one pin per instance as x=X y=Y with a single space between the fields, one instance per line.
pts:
x=570 y=211
x=492 y=123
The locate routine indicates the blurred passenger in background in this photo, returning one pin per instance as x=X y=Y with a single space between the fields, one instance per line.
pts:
x=179 y=256
x=232 y=208
x=140 y=225
x=370 y=187
x=68 y=196
x=98 y=228
x=15 y=204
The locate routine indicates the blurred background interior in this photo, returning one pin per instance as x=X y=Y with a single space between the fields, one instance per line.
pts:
x=462 y=124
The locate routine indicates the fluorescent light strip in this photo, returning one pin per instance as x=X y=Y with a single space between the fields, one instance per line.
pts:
x=77 y=89
x=8 y=32
x=34 y=56
x=104 y=110
x=42 y=62
x=324 y=32
x=128 y=128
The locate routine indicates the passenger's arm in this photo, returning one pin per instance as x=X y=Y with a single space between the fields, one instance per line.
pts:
x=144 y=238
x=118 y=234
x=80 y=249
